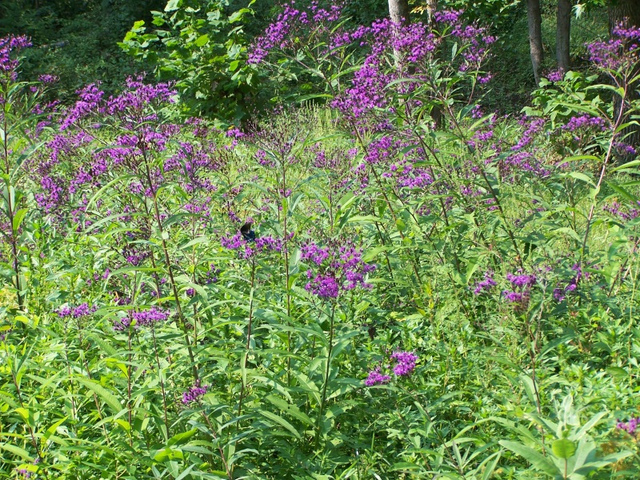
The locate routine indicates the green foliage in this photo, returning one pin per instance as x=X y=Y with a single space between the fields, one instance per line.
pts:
x=76 y=41
x=574 y=453
x=202 y=47
x=202 y=304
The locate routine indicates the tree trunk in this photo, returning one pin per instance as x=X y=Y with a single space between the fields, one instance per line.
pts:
x=626 y=12
x=399 y=11
x=534 y=20
x=563 y=34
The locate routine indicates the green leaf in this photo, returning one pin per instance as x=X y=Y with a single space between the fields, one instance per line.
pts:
x=537 y=460
x=289 y=409
x=563 y=448
x=582 y=177
x=628 y=165
x=108 y=397
x=21 y=452
x=25 y=414
x=182 y=437
x=17 y=219
x=168 y=454
x=202 y=40
x=52 y=429
x=185 y=473
x=172 y=5
x=280 y=421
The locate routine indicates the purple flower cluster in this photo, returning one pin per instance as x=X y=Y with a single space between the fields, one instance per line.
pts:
x=122 y=324
x=584 y=121
x=405 y=364
x=146 y=318
x=282 y=34
x=411 y=45
x=521 y=281
x=9 y=46
x=486 y=284
x=630 y=426
x=376 y=378
x=82 y=310
x=521 y=285
x=249 y=248
x=560 y=292
x=618 y=52
x=533 y=126
x=131 y=106
x=194 y=393
x=341 y=268
x=625 y=213
x=524 y=157
x=366 y=93
x=624 y=149
x=555 y=76
x=24 y=473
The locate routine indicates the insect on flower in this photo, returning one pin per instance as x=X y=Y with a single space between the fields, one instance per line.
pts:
x=248 y=234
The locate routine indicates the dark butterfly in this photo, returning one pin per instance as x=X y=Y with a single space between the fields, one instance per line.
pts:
x=248 y=234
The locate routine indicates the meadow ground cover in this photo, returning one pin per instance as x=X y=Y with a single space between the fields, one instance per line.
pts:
x=386 y=283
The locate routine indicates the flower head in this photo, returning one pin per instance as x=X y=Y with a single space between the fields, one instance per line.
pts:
x=405 y=363
x=194 y=393
x=630 y=426
x=376 y=378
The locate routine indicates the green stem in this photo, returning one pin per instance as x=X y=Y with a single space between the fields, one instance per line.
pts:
x=327 y=372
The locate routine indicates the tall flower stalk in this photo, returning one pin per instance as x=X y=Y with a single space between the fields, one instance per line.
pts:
x=13 y=147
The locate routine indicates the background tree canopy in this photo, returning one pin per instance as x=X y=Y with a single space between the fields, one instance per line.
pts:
x=201 y=45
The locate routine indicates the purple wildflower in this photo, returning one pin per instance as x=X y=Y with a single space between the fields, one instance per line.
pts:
x=376 y=378
x=630 y=426
x=405 y=363
x=194 y=393
x=340 y=268
x=521 y=281
x=324 y=286
x=584 y=121
x=122 y=324
x=8 y=48
x=149 y=317
x=555 y=76
x=515 y=297
x=487 y=284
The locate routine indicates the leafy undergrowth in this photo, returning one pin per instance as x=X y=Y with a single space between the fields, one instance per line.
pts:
x=393 y=285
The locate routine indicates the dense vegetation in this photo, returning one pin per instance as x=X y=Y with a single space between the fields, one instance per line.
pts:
x=379 y=278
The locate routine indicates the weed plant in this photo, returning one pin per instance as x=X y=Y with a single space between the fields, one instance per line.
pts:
x=398 y=285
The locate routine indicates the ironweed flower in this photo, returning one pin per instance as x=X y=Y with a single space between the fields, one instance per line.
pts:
x=405 y=363
x=338 y=268
x=584 y=121
x=9 y=46
x=485 y=285
x=290 y=26
x=122 y=324
x=79 y=311
x=376 y=378
x=521 y=284
x=630 y=426
x=555 y=76
x=618 y=52
x=248 y=247
x=521 y=281
x=194 y=393
x=146 y=318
